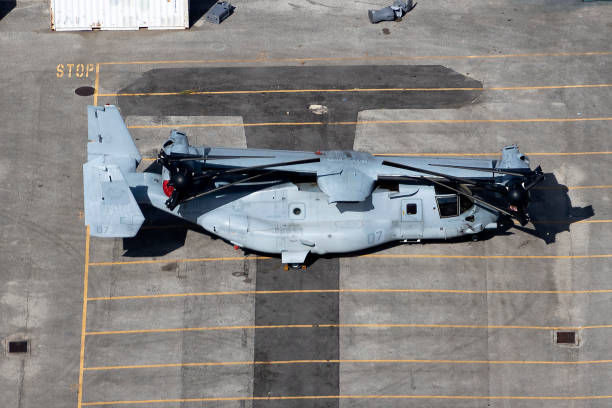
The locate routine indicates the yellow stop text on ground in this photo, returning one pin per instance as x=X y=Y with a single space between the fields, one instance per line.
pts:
x=74 y=70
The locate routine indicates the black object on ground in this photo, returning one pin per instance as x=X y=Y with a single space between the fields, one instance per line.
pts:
x=219 y=12
x=391 y=13
x=18 y=346
x=566 y=337
x=85 y=91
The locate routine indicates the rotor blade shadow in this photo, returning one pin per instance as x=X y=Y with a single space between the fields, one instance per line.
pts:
x=551 y=210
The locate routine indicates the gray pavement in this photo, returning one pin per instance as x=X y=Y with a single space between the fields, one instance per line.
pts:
x=431 y=340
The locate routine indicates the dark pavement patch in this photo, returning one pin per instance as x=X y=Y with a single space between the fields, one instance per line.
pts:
x=293 y=107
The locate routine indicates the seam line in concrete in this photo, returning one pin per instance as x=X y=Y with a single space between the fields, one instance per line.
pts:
x=263 y=59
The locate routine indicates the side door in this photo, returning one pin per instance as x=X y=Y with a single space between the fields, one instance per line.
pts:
x=412 y=218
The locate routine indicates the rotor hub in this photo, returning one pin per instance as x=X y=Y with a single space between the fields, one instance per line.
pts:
x=181 y=181
x=517 y=195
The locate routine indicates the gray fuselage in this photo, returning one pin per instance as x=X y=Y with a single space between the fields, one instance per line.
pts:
x=290 y=218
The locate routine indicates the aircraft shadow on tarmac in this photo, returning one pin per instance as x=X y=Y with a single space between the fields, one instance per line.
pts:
x=551 y=210
x=160 y=234
x=6 y=6
x=197 y=8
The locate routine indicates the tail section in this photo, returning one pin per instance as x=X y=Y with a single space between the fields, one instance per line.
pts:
x=110 y=207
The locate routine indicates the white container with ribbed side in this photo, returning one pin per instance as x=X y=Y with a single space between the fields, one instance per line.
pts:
x=68 y=15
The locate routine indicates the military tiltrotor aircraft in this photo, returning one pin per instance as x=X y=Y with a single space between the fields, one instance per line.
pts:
x=294 y=203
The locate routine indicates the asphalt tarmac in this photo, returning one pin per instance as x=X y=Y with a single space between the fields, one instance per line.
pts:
x=175 y=317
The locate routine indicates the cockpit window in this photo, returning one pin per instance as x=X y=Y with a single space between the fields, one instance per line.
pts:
x=448 y=205
x=465 y=204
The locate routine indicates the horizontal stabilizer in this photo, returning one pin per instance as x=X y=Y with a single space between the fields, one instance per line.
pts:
x=110 y=207
x=109 y=136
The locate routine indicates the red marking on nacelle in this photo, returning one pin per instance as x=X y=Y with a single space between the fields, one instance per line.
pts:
x=168 y=190
x=236 y=247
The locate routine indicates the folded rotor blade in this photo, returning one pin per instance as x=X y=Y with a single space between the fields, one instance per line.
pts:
x=483 y=169
x=223 y=187
x=264 y=166
x=215 y=157
x=442 y=175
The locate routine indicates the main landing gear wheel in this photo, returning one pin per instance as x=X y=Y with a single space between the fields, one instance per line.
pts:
x=294 y=266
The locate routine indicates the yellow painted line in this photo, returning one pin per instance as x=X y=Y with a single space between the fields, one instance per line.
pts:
x=487 y=256
x=357 y=90
x=346 y=325
x=368 y=361
x=589 y=187
x=346 y=397
x=390 y=256
x=374 y=122
x=306 y=291
x=155 y=261
x=275 y=91
x=264 y=59
x=84 y=318
x=96 y=85
x=569 y=222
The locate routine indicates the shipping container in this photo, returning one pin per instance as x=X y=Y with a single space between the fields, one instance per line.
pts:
x=69 y=15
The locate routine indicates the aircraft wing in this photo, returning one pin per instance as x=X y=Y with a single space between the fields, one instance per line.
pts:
x=110 y=207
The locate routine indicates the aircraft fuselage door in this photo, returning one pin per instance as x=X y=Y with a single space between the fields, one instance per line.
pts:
x=412 y=218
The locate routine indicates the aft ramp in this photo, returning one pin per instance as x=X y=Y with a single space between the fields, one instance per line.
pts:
x=110 y=207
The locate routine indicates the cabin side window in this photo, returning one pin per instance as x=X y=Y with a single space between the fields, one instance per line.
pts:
x=448 y=205
x=411 y=209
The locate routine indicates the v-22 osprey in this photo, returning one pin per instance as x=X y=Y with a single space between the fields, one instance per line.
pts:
x=294 y=203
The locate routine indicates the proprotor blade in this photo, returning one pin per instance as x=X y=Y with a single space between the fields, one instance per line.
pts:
x=264 y=166
x=216 y=157
x=483 y=169
x=442 y=175
x=223 y=187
